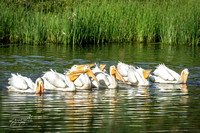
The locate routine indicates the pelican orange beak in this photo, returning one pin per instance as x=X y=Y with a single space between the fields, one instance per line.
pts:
x=102 y=67
x=79 y=70
x=74 y=75
x=184 y=77
x=146 y=73
x=116 y=73
x=91 y=74
x=40 y=87
x=91 y=65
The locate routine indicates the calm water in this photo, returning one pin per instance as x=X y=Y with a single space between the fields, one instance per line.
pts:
x=158 y=108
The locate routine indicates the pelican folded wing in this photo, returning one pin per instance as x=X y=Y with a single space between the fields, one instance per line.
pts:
x=163 y=73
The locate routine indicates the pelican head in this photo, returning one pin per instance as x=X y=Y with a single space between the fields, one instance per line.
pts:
x=74 y=68
x=77 y=70
x=40 y=85
x=81 y=67
x=115 y=73
x=184 y=75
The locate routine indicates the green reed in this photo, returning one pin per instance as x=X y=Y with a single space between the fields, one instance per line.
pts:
x=88 y=21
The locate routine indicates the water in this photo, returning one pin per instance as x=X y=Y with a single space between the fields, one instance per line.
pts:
x=158 y=108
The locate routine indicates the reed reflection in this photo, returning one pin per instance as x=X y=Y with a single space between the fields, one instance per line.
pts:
x=141 y=107
x=112 y=97
x=17 y=110
x=83 y=111
x=169 y=95
x=39 y=106
x=78 y=110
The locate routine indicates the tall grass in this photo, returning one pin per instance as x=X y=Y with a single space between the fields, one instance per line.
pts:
x=88 y=21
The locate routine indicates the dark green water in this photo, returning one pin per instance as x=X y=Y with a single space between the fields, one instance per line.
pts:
x=158 y=108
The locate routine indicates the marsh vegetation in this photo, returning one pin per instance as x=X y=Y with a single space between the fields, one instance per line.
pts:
x=88 y=21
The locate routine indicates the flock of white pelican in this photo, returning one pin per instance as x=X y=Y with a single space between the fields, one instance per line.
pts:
x=90 y=76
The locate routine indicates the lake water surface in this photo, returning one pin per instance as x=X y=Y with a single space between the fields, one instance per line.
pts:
x=157 y=108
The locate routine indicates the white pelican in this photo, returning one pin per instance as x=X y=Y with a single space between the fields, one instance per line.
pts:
x=123 y=70
x=20 y=83
x=107 y=80
x=138 y=77
x=163 y=74
x=133 y=76
x=83 y=81
x=57 y=81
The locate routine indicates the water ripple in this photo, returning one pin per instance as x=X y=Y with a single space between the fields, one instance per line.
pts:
x=157 y=108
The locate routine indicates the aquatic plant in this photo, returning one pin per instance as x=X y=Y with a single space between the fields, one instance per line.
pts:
x=87 y=21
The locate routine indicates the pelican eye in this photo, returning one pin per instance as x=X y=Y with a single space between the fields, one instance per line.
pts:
x=86 y=68
x=74 y=66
